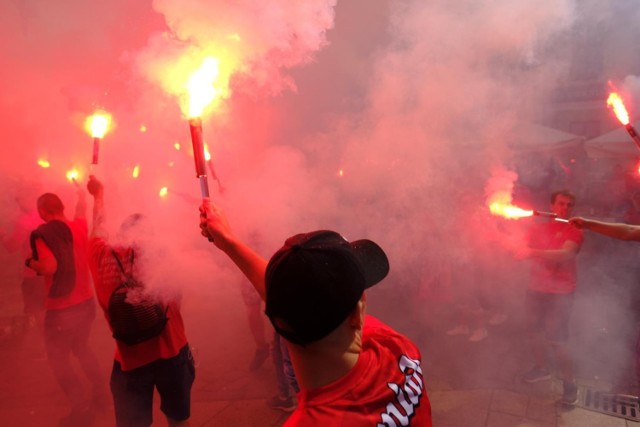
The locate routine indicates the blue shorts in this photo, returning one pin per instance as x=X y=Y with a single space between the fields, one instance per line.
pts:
x=133 y=390
x=549 y=313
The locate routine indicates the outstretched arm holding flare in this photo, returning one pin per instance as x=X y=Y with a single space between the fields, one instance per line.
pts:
x=214 y=226
x=617 y=230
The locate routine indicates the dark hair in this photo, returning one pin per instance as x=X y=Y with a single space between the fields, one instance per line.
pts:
x=565 y=193
x=50 y=204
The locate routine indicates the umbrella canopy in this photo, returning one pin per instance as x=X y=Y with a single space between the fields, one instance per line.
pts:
x=533 y=137
x=616 y=143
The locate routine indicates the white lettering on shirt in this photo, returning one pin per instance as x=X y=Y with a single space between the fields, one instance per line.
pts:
x=399 y=412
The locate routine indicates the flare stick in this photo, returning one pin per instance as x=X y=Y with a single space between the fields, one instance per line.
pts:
x=550 y=215
x=96 y=147
x=633 y=133
x=195 y=126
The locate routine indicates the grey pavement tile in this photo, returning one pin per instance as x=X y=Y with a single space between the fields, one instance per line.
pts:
x=467 y=408
x=578 y=417
x=246 y=413
x=509 y=402
x=498 y=419
x=542 y=410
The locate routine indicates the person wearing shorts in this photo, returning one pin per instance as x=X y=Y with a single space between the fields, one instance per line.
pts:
x=133 y=390
x=164 y=362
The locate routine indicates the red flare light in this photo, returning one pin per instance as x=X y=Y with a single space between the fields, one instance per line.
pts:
x=97 y=125
x=615 y=102
x=509 y=211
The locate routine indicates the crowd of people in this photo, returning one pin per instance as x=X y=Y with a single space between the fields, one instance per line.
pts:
x=335 y=364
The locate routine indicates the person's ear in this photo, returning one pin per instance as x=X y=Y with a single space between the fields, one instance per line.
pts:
x=356 y=319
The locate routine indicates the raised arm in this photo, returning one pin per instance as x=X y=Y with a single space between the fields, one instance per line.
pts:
x=214 y=226
x=96 y=189
x=81 y=206
x=617 y=230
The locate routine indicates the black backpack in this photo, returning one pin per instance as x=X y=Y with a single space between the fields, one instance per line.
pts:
x=135 y=316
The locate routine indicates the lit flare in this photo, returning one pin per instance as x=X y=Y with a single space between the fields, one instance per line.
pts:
x=509 y=211
x=72 y=176
x=97 y=125
x=201 y=88
x=615 y=102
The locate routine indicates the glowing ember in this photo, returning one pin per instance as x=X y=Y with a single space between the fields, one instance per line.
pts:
x=143 y=128
x=341 y=172
x=98 y=124
x=200 y=87
x=207 y=154
x=615 y=101
x=136 y=171
x=164 y=191
x=177 y=146
x=43 y=163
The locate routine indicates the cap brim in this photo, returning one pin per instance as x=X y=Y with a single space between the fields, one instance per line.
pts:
x=373 y=260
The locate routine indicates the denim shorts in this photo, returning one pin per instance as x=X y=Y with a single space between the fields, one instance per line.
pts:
x=549 y=313
x=133 y=390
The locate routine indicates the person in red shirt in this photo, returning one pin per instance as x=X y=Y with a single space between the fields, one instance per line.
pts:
x=59 y=253
x=352 y=369
x=163 y=362
x=553 y=247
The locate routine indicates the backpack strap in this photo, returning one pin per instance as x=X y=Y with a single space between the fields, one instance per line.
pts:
x=127 y=276
x=115 y=255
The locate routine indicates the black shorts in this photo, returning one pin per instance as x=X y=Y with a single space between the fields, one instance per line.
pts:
x=549 y=313
x=133 y=390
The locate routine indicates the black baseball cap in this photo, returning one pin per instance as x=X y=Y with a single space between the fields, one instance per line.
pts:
x=315 y=281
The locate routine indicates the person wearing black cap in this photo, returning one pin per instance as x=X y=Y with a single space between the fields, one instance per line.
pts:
x=352 y=369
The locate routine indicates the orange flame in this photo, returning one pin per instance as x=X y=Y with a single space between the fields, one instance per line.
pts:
x=98 y=124
x=615 y=101
x=43 y=163
x=177 y=146
x=207 y=154
x=509 y=211
x=500 y=204
x=200 y=87
x=164 y=191
x=136 y=171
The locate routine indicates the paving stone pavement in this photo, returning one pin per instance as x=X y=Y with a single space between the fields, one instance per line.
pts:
x=469 y=384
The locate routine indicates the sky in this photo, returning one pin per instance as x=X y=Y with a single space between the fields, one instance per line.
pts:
x=383 y=119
